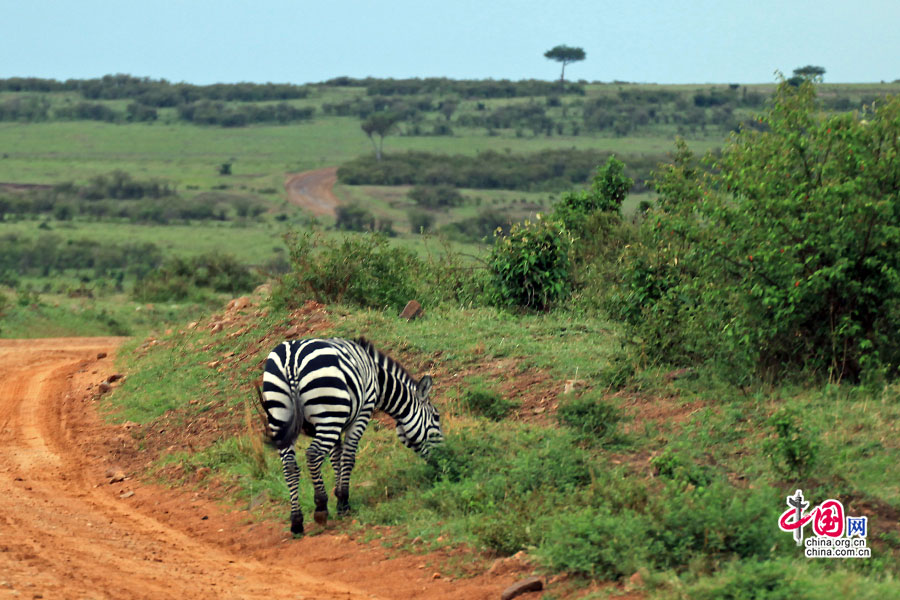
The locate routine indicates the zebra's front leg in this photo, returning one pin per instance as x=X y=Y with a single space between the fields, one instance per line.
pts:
x=315 y=456
x=292 y=477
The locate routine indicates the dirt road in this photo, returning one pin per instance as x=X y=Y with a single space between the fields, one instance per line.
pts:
x=66 y=531
x=313 y=190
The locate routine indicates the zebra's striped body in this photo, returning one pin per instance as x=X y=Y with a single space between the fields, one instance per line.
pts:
x=329 y=389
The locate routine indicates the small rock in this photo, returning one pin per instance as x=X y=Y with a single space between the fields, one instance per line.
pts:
x=124 y=495
x=635 y=581
x=216 y=327
x=117 y=476
x=532 y=584
x=678 y=374
x=292 y=332
x=239 y=303
x=103 y=387
x=192 y=324
x=258 y=500
x=114 y=377
x=412 y=311
x=101 y=356
x=435 y=575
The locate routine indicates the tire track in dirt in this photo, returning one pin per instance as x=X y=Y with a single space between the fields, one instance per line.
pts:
x=314 y=191
x=67 y=532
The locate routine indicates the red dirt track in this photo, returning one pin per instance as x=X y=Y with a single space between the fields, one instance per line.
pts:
x=314 y=191
x=67 y=532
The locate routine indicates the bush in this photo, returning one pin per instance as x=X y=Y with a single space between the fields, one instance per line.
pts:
x=365 y=270
x=782 y=254
x=608 y=189
x=420 y=221
x=793 y=450
x=438 y=196
x=597 y=543
x=589 y=416
x=182 y=278
x=485 y=402
x=531 y=266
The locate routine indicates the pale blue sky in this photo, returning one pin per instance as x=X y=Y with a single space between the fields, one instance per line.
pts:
x=692 y=41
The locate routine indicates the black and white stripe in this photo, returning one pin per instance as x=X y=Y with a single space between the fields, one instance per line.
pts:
x=329 y=389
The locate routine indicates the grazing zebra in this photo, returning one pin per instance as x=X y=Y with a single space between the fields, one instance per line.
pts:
x=329 y=388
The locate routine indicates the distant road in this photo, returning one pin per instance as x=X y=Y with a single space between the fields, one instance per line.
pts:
x=314 y=191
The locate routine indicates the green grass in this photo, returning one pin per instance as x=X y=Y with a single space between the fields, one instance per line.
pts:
x=252 y=243
x=698 y=520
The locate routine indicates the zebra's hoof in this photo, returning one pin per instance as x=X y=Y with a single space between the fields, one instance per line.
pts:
x=343 y=510
x=321 y=516
x=297 y=526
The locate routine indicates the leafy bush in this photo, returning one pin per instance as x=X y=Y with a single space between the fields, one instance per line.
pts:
x=590 y=416
x=181 y=278
x=609 y=188
x=793 y=450
x=365 y=270
x=679 y=467
x=485 y=402
x=420 y=220
x=531 y=266
x=782 y=254
x=598 y=543
x=438 y=196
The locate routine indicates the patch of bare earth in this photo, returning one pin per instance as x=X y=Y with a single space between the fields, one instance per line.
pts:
x=76 y=521
x=313 y=191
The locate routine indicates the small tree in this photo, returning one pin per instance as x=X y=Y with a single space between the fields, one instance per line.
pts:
x=380 y=124
x=565 y=55
x=810 y=72
x=609 y=188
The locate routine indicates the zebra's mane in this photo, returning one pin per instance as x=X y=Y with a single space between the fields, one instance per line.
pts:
x=389 y=361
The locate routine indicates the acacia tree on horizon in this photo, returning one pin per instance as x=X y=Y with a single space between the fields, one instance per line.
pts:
x=565 y=55
x=380 y=124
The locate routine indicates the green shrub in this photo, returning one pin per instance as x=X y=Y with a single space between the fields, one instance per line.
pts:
x=182 y=278
x=679 y=467
x=420 y=221
x=781 y=254
x=485 y=402
x=598 y=543
x=608 y=190
x=793 y=450
x=705 y=522
x=531 y=266
x=590 y=416
x=365 y=270
x=437 y=196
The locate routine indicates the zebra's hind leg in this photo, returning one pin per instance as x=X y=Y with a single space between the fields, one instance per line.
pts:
x=343 y=504
x=348 y=461
x=315 y=455
x=292 y=477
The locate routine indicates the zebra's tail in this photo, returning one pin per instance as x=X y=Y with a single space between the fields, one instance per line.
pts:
x=287 y=434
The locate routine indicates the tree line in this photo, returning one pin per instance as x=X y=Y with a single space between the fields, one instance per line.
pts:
x=157 y=92
x=550 y=170
x=32 y=109
x=119 y=196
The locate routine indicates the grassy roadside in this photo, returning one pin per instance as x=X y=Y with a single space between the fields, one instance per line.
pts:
x=681 y=481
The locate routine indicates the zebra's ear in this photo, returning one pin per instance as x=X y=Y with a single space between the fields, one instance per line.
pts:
x=424 y=387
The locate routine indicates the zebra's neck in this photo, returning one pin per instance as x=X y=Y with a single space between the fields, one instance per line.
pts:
x=396 y=387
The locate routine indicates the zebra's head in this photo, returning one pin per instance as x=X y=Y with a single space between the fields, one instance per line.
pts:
x=423 y=432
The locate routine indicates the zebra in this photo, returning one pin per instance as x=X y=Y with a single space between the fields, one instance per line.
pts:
x=329 y=389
